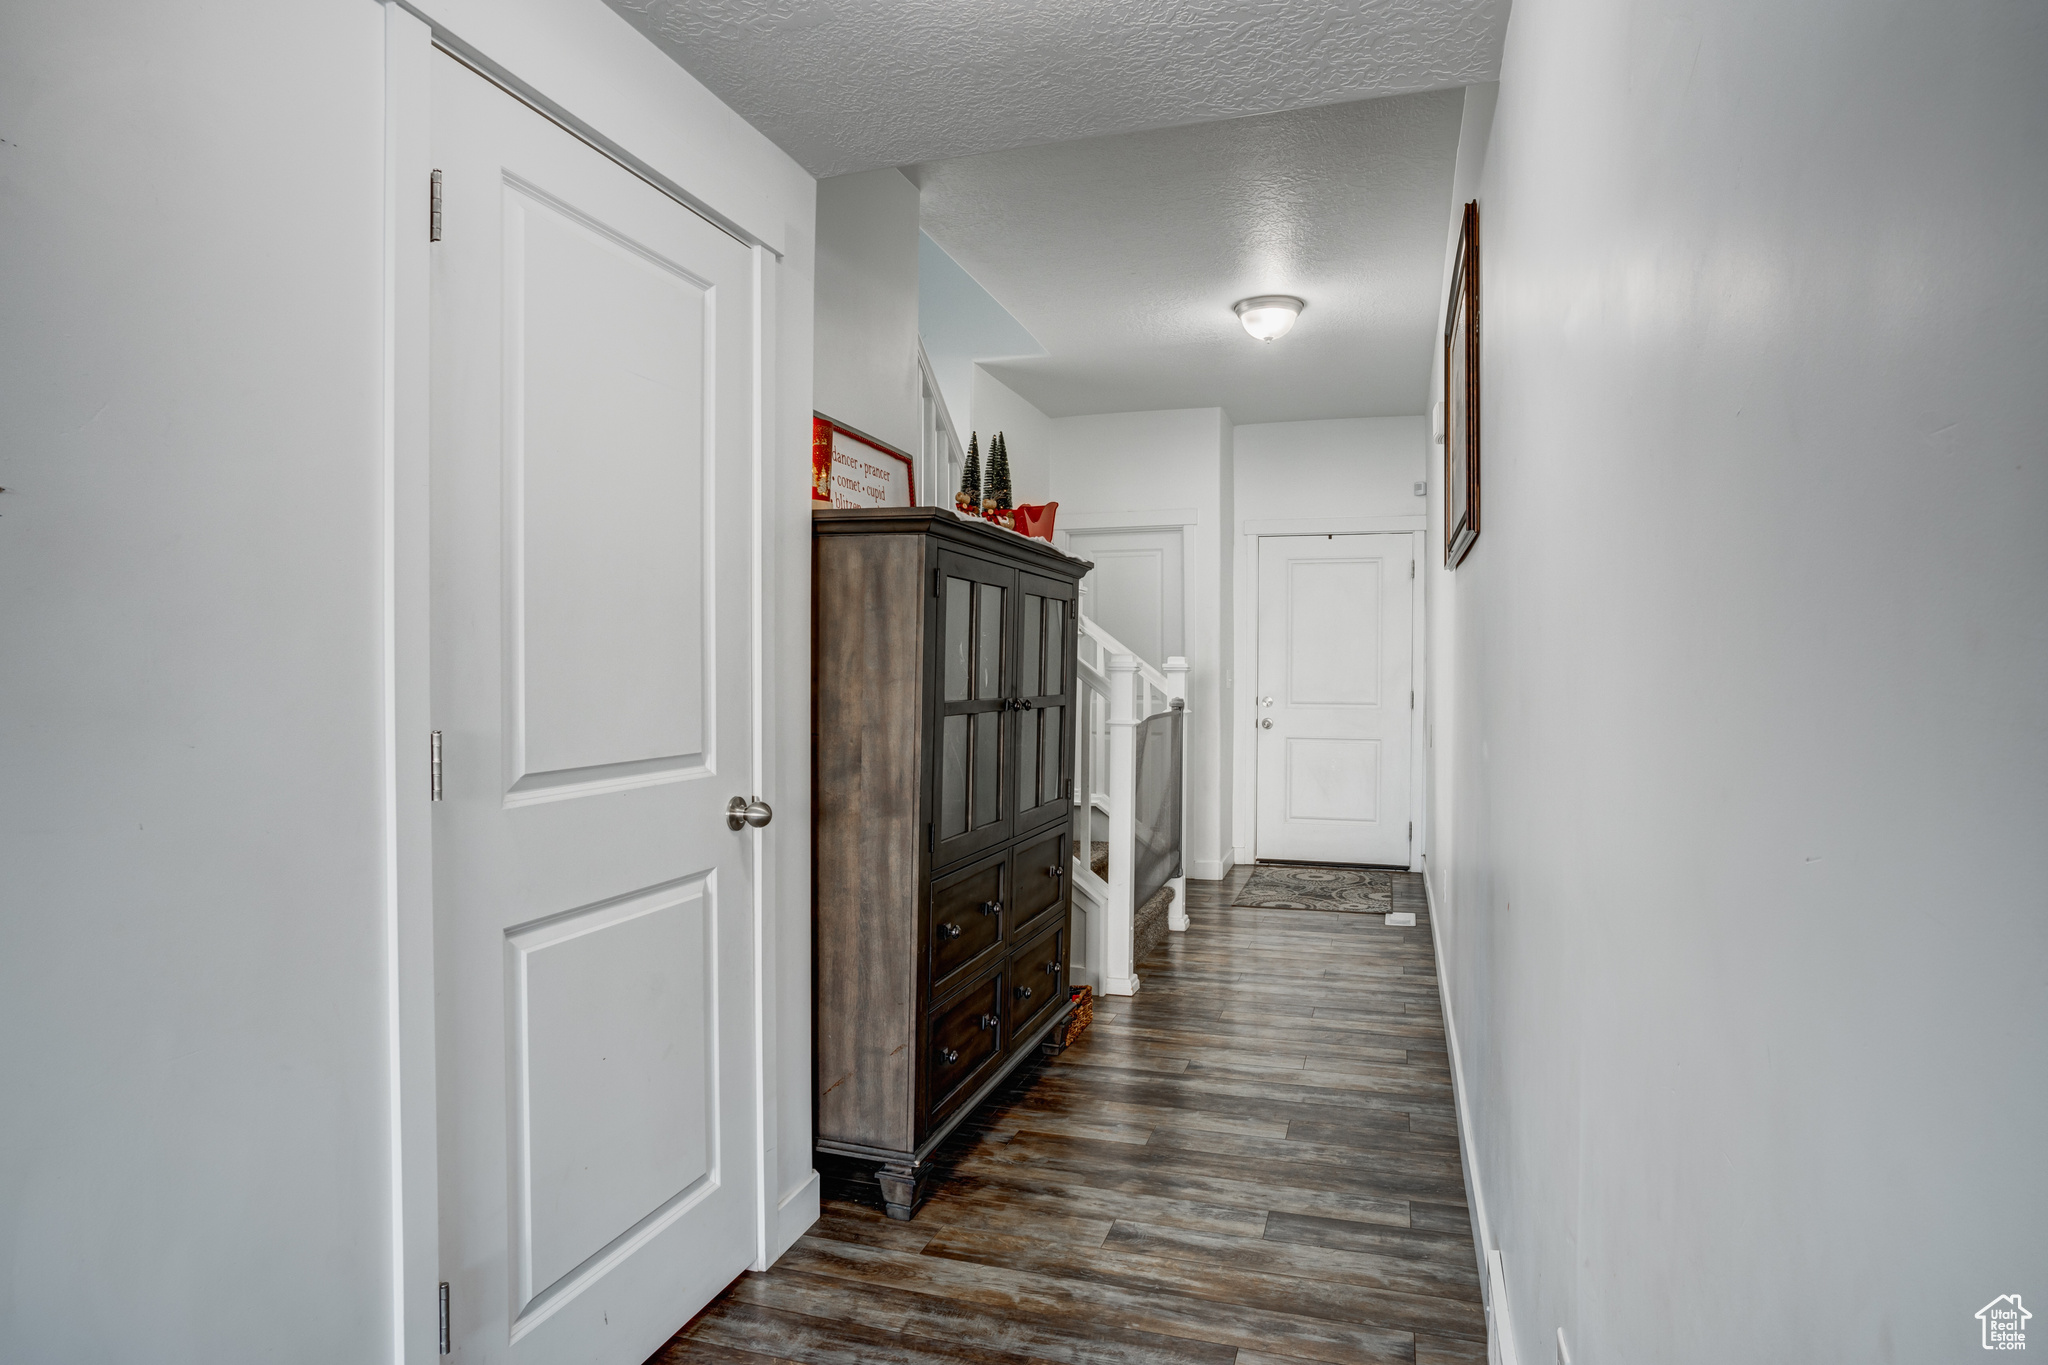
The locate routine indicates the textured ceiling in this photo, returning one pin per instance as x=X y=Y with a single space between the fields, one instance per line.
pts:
x=849 y=85
x=1122 y=256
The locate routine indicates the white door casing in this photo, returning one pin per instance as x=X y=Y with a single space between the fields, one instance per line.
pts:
x=1333 y=706
x=591 y=638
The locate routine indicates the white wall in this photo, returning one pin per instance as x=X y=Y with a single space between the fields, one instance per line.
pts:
x=1304 y=472
x=1740 y=882
x=1119 y=466
x=191 y=993
x=1026 y=431
x=866 y=373
x=960 y=324
x=1352 y=466
x=196 y=1132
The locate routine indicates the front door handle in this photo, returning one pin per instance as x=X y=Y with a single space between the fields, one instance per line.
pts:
x=740 y=812
x=1265 y=725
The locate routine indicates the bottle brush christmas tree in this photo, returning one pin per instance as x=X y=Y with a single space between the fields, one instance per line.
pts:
x=968 y=499
x=999 y=474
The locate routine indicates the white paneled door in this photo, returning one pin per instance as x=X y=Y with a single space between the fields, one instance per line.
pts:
x=1135 y=589
x=592 y=432
x=1335 y=702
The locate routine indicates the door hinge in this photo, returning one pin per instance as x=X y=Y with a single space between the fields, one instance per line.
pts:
x=1411 y=568
x=434 y=766
x=446 y=1345
x=434 y=208
x=937 y=575
x=1411 y=831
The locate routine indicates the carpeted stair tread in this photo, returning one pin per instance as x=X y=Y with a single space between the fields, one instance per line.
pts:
x=1148 y=926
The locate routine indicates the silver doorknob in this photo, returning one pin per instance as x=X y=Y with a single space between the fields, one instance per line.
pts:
x=1263 y=725
x=739 y=813
x=1265 y=701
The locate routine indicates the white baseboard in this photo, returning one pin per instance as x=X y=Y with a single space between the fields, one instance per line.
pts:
x=1119 y=985
x=793 y=1217
x=1213 y=869
x=1500 y=1341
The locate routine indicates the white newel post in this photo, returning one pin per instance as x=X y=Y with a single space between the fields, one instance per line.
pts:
x=1177 y=694
x=1119 y=972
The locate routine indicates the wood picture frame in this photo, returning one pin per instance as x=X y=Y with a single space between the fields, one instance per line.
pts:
x=848 y=468
x=1461 y=396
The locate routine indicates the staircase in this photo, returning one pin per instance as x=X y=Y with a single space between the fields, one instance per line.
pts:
x=1130 y=884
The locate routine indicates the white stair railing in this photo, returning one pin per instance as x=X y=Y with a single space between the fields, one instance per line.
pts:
x=941 y=455
x=1119 y=691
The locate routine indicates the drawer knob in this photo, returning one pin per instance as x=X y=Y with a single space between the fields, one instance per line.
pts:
x=991 y=907
x=988 y=1021
x=949 y=1055
x=1023 y=992
x=1055 y=871
x=949 y=931
x=1052 y=968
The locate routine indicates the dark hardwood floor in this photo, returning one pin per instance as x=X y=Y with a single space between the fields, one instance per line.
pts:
x=1252 y=1161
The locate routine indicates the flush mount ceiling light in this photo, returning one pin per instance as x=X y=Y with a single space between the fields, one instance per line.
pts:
x=1268 y=316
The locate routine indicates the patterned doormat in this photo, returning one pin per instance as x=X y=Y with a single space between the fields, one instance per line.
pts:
x=1349 y=889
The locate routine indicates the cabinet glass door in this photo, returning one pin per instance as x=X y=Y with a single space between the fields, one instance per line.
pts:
x=976 y=606
x=1045 y=656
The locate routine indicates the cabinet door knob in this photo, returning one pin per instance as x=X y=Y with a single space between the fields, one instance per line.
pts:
x=949 y=931
x=988 y=1021
x=949 y=1055
x=1023 y=992
x=1052 y=968
x=1055 y=871
x=991 y=907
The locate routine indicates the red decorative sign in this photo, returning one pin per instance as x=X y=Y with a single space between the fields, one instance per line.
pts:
x=851 y=470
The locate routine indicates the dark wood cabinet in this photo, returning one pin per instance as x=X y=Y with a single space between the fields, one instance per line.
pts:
x=942 y=748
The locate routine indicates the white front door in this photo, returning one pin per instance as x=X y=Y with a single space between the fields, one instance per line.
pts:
x=591 y=438
x=1335 y=701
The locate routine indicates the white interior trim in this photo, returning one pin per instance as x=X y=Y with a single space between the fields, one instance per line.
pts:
x=476 y=60
x=1158 y=519
x=1418 y=761
x=761 y=695
x=408 y=853
x=1500 y=1345
x=1333 y=526
x=794 y=1214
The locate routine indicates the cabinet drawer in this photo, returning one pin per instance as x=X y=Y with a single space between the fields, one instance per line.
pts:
x=1037 y=977
x=966 y=1038
x=1039 y=875
x=966 y=920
